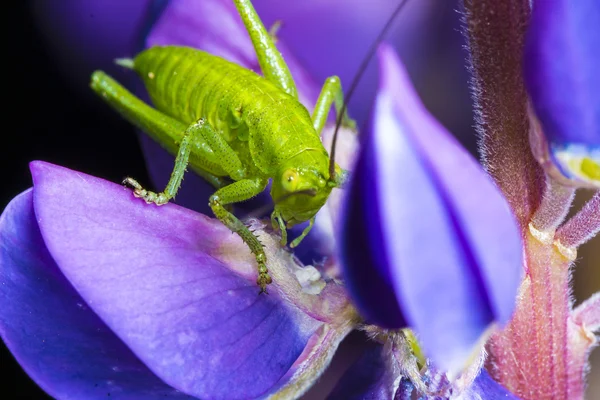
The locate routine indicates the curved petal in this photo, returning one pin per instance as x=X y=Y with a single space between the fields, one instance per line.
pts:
x=561 y=69
x=484 y=387
x=561 y=73
x=369 y=378
x=365 y=271
x=448 y=244
x=373 y=377
x=175 y=286
x=53 y=334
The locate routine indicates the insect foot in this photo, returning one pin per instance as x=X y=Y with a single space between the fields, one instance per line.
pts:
x=150 y=197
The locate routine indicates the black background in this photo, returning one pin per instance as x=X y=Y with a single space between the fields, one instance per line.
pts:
x=45 y=118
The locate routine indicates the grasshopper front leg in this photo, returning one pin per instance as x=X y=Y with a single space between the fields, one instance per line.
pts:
x=305 y=232
x=181 y=162
x=278 y=223
x=331 y=93
x=234 y=193
x=199 y=129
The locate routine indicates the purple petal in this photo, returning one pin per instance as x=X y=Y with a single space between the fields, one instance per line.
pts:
x=561 y=73
x=365 y=272
x=484 y=387
x=561 y=69
x=439 y=235
x=369 y=378
x=177 y=287
x=315 y=359
x=373 y=377
x=51 y=331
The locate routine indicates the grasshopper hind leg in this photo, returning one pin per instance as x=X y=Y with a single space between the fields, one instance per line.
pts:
x=234 y=193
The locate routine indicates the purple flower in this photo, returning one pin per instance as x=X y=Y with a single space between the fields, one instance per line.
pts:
x=489 y=280
x=103 y=295
x=162 y=302
x=561 y=73
x=427 y=240
x=372 y=377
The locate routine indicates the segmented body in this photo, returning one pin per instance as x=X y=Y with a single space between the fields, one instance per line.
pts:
x=264 y=125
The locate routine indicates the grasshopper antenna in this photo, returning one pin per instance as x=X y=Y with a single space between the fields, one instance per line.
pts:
x=361 y=70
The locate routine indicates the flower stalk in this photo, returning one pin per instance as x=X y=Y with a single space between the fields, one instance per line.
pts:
x=543 y=352
x=495 y=31
x=583 y=226
x=554 y=207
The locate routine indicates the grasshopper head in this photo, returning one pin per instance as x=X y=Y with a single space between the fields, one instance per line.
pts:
x=300 y=192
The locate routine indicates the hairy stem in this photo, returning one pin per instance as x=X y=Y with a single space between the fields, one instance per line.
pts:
x=530 y=355
x=588 y=313
x=583 y=226
x=495 y=31
x=553 y=209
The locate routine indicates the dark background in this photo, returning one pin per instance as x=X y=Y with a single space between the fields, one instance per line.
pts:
x=47 y=117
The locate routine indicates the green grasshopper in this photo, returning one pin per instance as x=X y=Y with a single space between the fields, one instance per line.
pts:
x=230 y=124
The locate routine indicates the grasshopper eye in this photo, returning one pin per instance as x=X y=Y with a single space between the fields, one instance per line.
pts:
x=289 y=180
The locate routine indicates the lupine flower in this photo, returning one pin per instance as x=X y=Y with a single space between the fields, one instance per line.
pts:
x=169 y=330
x=433 y=247
x=102 y=295
x=150 y=295
x=175 y=335
x=415 y=188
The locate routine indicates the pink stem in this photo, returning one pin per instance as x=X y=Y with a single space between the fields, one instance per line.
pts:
x=585 y=319
x=588 y=313
x=554 y=207
x=583 y=226
x=495 y=32
x=530 y=355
